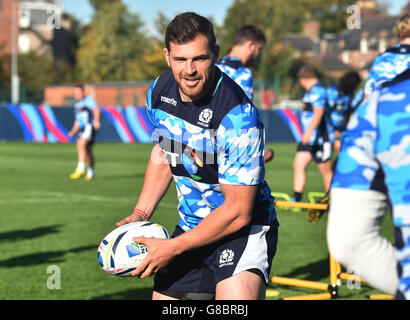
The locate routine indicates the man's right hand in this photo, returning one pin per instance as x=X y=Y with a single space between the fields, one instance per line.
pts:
x=131 y=218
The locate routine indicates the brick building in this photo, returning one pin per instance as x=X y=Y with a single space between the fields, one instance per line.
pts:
x=352 y=49
x=105 y=93
x=40 y=24
x=5 y=25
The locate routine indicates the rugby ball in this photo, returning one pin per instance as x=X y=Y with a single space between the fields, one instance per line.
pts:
x=119 y=255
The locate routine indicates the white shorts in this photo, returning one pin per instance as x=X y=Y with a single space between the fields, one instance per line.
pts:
x=354 y=239
x=87 y=132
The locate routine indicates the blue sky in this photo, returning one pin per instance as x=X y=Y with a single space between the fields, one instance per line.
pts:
x=147 y=10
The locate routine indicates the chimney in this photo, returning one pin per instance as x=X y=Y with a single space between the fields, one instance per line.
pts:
x=406 y=9
x=311 y=29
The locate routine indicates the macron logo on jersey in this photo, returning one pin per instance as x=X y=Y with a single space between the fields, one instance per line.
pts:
x=171 y=101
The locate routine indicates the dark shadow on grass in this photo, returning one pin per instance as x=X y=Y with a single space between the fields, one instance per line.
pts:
x=315 y=271
x=29 y=234
x=42 y=257
x=133 y=294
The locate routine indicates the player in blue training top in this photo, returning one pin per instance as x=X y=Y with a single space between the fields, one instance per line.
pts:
x=87 y=122
x=245 y=53
x=316 y=144
x=340 y=104
x=377 y=137
x=394 y=61
x=210 y=142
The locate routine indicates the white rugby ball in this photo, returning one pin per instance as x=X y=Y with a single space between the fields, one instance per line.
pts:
x=119 y=255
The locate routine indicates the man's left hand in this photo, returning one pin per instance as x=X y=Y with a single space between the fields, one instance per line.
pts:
x=160 y=253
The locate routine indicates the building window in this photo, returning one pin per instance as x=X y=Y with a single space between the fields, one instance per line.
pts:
x=24 y=43
x=382 y=45
x=346 y=57
x=363 y=46
x=25 y=17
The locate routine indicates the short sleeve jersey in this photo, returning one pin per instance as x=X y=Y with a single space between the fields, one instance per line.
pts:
x=83 y=110
x=339 y=107
x=241 y=74
x=378 y=135
x=388 y=65
x=357 y=100
x=316 y=98
x=216 y=140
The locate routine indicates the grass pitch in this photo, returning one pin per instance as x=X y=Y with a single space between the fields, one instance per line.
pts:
x=49 y=222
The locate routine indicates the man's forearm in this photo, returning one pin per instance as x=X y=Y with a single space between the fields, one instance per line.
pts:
x=156 y=182
x=74 y=129
x=228 y=218
x=314 y=123
x=97 y=113
x=316 y=119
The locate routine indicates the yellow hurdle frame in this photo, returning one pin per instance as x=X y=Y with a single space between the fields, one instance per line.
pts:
x=336 y=274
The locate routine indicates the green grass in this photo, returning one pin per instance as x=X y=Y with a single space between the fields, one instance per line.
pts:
x=47 y=219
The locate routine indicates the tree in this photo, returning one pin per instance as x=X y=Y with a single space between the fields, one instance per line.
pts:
x=278 y=18
x=331 y=14
x=275 y=18
x=113 y=47
x=35 y=73
x=4 y=75
x=154 y=61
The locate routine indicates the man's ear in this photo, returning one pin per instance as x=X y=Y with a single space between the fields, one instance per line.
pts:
x=251 y=45
x=166 y=56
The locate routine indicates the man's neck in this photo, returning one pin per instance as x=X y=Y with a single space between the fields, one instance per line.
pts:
x=236 y=52
x=405 y=41
x=311 y=84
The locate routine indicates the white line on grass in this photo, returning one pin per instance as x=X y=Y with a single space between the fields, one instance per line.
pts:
x=46 y=196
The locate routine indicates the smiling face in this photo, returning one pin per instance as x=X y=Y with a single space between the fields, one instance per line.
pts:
x=193 y=65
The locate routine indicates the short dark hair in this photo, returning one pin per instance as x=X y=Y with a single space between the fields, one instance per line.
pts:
x=402 y=27
x=186 y=26
x=349 y=82
x=249 y=32
x=79 y=85
x=307 y=72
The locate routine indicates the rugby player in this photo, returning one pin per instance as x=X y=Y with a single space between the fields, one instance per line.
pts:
x=210 y=142
x=377 y=139
x=318 y=135
x=394 y=60
x=86 y=123
x=245 y=53
x=340 y=103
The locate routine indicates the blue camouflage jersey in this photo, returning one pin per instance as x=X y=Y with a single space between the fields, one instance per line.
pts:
x=378 y=136
x=241 y=74
x=216 y=140
x=83 y=110
x=339 y=107
x=357 y=100
x=379 y=133
x=316 y=98
x=388 y=65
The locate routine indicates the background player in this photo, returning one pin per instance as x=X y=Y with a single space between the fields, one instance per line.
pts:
x=226 y=236
x=377 y=138
x=340 y=103
x=86 y=123
x=393 y=61
x=245 y=53
x=385 y=67
x=316 y=144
